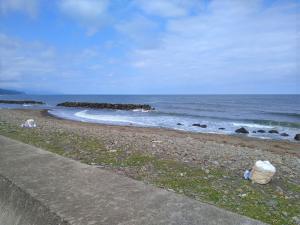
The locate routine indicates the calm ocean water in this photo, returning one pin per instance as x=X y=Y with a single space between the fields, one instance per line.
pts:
x=280 y=112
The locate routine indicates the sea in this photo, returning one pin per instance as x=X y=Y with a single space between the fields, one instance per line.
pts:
x=221 y=113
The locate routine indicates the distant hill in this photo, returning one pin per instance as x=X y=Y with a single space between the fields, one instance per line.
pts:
x=10 y=92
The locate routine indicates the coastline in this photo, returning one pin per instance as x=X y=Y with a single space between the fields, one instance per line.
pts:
x=206 y=167
x=234 y=128
x=232 y=138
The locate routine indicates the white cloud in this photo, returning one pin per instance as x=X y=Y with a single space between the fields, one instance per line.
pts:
x=227 y=44
x=140 y=30
x=168 y=8
x=29 y=7
x=91 y=14
x=232 y=42
x=37 y=67
x=19 y=59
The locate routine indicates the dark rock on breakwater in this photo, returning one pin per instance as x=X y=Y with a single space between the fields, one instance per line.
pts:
x=297 y=137
x=106 y=105
x=221 y=128
x=242 y=130
x=179 y=124
x=21 y=102
x=284 y=135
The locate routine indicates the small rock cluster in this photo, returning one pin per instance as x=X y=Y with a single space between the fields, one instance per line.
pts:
x=243 y=130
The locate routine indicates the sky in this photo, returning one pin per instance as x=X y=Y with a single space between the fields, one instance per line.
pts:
x=150 y=47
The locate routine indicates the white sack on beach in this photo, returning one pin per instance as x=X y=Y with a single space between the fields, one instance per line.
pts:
x=262 y=172
x=30 y=123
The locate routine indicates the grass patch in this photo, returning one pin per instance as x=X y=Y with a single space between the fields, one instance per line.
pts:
x=214 y=186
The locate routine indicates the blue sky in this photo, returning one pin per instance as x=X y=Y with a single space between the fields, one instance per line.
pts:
x=150 y=47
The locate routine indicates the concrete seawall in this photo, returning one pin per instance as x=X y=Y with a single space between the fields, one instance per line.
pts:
x=18 y=207
x=41 y=188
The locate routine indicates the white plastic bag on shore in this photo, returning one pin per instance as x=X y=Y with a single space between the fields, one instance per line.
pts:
x=30 y=123
x=247 y=174
x=262 y=172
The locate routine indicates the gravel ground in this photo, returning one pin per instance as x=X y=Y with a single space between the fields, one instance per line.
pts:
x=234 y=153
x=206 y=167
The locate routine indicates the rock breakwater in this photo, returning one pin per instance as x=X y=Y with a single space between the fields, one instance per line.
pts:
x=106 y=105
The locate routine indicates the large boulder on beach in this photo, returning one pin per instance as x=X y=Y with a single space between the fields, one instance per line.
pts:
x=284 y=135
x=297 y=137
x=261 y=131
x=199 y=125
x=273 y=131
x=242 y=130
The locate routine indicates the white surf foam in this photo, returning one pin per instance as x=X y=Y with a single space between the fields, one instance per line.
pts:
x=106 y=118
x=251 y=125
x=150 y=120
x=140 y=110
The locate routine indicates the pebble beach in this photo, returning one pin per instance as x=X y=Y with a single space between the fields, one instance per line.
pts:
x=231 y=154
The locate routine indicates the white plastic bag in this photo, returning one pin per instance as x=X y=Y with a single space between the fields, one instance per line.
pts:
x=247 y=174
x=30 y=123
x=262 y=172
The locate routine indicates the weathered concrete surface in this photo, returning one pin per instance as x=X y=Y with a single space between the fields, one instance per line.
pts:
x=41 y=188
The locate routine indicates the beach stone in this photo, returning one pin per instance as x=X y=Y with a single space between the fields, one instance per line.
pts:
x=221 y=128
x=242 y=195
x=199 y=125
x=284 y=134
x=273 y=132
x=297 y=137
x=261 y=131
x=296 y=219
x=179 y=124
x=254 y=131
x=279 y=190
x=272 y=203
x=242 y=130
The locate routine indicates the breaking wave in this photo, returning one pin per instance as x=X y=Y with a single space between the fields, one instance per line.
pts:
x=106 y=118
